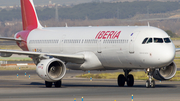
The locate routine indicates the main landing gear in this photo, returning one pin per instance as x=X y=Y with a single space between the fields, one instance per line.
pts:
x=150 y=82
x=127 y=78
x=57 y=84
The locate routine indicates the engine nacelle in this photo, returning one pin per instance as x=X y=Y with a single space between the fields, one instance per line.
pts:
x=5 y=54
x=165 y=73
x=51 y=69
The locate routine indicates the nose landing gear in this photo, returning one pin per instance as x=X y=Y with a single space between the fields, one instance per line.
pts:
x=150 y=82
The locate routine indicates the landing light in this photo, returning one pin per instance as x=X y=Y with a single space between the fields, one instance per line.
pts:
x=148 y=70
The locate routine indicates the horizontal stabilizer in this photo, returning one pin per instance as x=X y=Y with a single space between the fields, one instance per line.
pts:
x=10 y=39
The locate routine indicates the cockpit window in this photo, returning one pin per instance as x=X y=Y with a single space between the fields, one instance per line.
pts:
x=144 y=41
x=158 y=40
x=150 y=40
x=167 y=40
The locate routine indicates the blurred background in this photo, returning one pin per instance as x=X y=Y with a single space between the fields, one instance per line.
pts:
x=164 y=14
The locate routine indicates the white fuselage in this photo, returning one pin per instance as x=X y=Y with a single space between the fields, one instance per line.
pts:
x=122 y=49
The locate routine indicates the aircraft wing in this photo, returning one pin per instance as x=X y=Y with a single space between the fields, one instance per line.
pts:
x=177 y=49
x=74 y=58
x=10 y=39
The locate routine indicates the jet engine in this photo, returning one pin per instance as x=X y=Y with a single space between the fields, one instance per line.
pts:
x=5 y=54
x=51 y=70
x=165 y=73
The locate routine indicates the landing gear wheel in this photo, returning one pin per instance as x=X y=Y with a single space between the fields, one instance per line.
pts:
x=48 y=84
x=130 y=80
x=121 y=80
x=57 y=84
x=147 y=84
x=152 y=84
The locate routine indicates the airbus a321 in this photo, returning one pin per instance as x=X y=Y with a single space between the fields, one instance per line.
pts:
x=53 y=49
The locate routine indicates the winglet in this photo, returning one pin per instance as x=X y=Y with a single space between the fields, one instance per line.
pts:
x=29 y=16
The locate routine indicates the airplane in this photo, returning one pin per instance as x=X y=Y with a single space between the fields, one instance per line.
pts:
x=53 y=49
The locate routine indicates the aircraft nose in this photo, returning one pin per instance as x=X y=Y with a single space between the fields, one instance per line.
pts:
x=167 y=55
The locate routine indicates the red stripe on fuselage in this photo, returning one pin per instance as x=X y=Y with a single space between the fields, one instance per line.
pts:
x=23 y=35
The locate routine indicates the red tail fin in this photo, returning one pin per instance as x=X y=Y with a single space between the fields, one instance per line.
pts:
x=29 y=17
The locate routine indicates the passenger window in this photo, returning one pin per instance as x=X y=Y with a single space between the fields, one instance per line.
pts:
x=167 y=40
x=144 y=41
x=158 y=40
x=150 y=40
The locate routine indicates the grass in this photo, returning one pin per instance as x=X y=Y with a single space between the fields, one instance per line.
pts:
x=177 y=46
x=15 y=59
x=177 y=60
x=140 y=75
x=10 y=47
x=178 y=38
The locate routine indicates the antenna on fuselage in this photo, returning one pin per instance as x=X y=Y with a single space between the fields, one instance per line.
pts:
x=148 y=24
x=66 y=24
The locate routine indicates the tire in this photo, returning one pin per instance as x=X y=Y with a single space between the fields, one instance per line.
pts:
x=153 y=84
x=130 y=80
x=121 y=80
x=48 y=84
x=147 y=84
x=57 y=84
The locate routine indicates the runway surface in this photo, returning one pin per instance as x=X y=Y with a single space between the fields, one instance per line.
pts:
x=25 y=89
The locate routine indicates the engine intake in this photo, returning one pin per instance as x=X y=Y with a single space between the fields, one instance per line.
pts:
x=165 y=73
x=51 y=69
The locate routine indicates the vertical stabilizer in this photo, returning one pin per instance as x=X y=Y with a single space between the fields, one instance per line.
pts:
x=29 y=16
